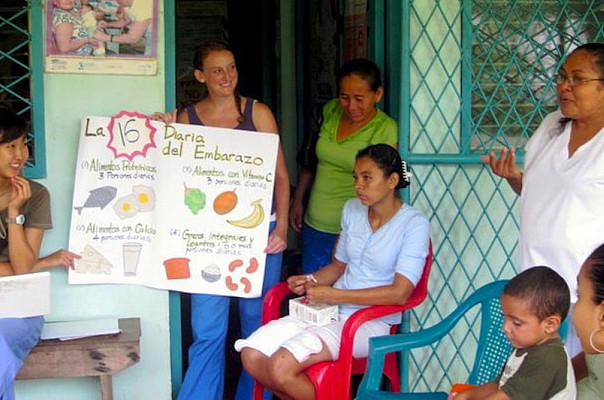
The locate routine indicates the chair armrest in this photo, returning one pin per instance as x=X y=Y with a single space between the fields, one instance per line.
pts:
x=380 y=346
x=357 y=319
x=271 y=306
x=361 y=316
x=353 y=323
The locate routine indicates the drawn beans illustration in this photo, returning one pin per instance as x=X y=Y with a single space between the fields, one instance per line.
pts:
x=253 y=266
x=235 y=264
x=230 y=284
x=247 y=285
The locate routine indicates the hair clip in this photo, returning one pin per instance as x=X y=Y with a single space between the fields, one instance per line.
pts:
x=405 y=171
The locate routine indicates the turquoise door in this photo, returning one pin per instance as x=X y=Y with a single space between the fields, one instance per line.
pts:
x=465 y=77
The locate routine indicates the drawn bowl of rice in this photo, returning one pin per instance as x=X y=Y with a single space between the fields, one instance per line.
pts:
x=211 y=273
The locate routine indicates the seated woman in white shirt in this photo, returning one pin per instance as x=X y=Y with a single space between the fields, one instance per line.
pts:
x=379 y=259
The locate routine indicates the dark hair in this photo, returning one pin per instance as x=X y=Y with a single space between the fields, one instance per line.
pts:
x=201 y=53
x=12 y=125
x=595 y=273
x=388 y=160
x=543 y=290
x=362 y=67
x=596 y=50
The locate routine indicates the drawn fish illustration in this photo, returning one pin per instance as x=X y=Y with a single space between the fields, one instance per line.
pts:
x=98 y=197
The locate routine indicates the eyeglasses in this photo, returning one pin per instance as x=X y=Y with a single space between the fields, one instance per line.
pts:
x=574 y=80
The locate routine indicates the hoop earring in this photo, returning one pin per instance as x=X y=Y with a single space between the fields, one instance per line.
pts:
x=591 y=340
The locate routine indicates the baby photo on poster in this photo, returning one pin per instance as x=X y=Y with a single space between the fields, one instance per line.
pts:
x=102 y=36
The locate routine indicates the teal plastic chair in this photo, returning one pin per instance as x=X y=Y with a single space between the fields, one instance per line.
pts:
x=492 y=351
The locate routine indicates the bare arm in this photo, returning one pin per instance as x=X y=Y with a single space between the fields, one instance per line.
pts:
x=296 y=212
x=61 y=257
x=321 y=291
x=182 y=117
x=325 y=276
x=23 y=248
x=136 y=30
x=394 y=294
x=63 y=39
x=122 y=21
x=265 y=122
x=23 y=243
x=505 y=167
x=167 y=118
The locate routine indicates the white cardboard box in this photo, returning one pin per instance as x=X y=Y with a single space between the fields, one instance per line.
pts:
x=315 y=314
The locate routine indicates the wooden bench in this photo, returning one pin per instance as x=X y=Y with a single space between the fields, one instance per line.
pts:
x=100 y=356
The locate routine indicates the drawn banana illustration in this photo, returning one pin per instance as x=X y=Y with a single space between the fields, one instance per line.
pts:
x=252 y=220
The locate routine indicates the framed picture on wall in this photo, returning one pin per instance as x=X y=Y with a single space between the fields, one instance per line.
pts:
x=102 y=36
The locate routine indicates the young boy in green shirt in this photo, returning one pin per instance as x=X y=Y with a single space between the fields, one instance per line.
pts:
x=534 y=304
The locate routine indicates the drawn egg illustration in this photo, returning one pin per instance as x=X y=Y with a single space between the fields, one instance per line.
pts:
x=211 y=273
x=145 y=197
x=126 y=206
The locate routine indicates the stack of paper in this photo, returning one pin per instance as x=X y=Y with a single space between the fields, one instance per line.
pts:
x=67 y=330
x=25 y=295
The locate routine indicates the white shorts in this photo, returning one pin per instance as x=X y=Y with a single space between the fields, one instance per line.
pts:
x=303 y=340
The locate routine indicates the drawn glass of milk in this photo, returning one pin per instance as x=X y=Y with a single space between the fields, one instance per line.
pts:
x=131 y=253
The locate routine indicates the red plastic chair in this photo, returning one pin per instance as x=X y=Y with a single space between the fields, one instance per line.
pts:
x=332 y=378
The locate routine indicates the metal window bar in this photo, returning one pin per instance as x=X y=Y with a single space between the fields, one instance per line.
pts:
x=476 y=75
x=21 y=55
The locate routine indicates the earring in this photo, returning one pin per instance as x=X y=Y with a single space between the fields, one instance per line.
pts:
x=203 y=81
x=591 y=340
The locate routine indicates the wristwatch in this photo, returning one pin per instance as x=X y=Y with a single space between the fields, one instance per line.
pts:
x=19 y=220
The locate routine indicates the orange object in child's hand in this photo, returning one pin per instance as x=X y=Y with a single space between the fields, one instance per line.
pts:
x=458 y=388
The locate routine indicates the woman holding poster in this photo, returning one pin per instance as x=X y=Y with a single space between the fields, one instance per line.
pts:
x=24 y=215
x=224 y=107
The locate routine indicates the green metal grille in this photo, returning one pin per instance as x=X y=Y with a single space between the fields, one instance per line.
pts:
x=478 y=75
x=21 y=54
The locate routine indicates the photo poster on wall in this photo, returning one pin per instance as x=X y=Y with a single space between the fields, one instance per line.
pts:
x=102 y=37
x=355 y=30
x=178 y=207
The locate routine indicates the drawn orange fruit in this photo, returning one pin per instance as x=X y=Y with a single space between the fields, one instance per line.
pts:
x=225 y=202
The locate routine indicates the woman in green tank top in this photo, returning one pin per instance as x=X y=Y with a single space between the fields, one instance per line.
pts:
x=350 y=123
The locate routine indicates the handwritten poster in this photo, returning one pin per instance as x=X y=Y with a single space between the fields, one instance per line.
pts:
x=179 y=207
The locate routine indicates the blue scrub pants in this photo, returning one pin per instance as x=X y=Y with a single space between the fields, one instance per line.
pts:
x=317 y=249
x=18 y=336
x=204 y=378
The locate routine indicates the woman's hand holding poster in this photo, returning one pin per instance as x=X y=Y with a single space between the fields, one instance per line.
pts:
x=179 y=207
